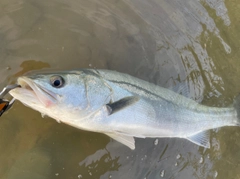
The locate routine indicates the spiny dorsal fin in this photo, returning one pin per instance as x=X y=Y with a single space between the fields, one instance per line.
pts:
x=121 y=104
x=182 y=89
x=201 y=138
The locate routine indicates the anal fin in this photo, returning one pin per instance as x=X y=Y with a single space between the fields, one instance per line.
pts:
x=201 y=139
x=124 y=139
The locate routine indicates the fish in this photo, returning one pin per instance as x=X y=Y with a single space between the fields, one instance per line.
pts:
x=121 y=106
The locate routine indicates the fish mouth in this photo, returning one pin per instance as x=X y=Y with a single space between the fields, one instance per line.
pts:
x=43 y=95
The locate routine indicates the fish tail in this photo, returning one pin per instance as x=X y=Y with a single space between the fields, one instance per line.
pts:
x=236 y=105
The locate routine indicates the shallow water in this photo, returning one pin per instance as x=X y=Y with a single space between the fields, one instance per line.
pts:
x=195 y=43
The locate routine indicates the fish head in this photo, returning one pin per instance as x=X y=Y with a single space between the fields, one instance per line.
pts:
x=62 y=95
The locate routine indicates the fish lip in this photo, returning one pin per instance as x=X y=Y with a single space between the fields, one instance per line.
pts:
x=45 y=96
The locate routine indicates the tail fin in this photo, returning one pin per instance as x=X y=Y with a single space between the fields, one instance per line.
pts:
x=236 y=105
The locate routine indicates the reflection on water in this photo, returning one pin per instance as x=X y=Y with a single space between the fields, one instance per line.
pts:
x=165 y=42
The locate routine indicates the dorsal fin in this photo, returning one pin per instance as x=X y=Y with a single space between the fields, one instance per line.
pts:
x=181 y=88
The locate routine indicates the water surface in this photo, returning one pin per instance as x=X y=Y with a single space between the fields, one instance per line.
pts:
x=191 y=43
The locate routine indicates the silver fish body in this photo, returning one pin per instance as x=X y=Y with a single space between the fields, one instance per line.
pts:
x=121 y=106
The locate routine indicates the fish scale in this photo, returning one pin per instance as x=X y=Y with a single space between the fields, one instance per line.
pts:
x=121 y=106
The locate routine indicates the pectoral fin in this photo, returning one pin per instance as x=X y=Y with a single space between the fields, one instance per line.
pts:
x=126 y=140
x=121 y=104
x=201 y=138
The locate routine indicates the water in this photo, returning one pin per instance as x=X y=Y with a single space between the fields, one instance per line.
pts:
x=191 y=43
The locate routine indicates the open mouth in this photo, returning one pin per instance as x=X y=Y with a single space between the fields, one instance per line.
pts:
x=44 y=96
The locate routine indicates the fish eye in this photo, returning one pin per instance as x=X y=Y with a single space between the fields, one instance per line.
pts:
x=57 y=81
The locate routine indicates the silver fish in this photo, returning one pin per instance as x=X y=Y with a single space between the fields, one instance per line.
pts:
x=121 y=106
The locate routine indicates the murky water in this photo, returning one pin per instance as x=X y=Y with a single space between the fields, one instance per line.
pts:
x=165 y=42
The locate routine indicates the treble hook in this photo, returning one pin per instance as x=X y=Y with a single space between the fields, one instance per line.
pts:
x=4 y=103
